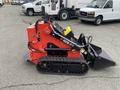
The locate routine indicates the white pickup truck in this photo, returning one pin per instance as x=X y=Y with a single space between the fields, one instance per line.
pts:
x=32 y=7
x=100 y=10
x=1 y=3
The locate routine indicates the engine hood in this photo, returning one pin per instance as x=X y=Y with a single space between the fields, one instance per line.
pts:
x=89 y=9
x=27 y=5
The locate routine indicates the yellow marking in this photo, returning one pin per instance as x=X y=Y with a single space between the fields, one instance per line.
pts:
x=67 y=30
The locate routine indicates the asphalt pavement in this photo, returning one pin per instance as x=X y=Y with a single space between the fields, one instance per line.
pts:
x=17 y=74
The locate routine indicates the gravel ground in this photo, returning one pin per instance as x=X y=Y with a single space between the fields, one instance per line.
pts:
x=16 y=74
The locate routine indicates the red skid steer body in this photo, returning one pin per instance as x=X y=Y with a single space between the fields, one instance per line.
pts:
x=54 y=49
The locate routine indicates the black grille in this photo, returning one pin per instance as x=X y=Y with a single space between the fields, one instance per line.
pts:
x=83 y=13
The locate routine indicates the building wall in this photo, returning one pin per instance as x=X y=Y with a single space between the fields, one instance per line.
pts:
x=7 y=1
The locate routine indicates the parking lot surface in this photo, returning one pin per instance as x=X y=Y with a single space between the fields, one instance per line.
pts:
x=17 y=74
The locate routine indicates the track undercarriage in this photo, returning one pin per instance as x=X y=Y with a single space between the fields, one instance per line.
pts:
x=62 y=65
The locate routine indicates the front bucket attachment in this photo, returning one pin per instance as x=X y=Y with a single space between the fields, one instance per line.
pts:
x=97 y=49
x=101 y=63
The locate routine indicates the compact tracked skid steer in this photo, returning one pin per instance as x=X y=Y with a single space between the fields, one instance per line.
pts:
x=54 y=49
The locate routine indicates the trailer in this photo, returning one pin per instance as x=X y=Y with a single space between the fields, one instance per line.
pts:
x=63 y=9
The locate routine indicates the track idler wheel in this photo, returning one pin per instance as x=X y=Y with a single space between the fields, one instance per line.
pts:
x=84 y=68
x=42 y=67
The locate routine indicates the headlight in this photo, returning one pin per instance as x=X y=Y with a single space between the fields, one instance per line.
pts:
x=91 y=13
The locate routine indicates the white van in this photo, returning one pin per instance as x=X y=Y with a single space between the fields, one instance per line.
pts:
x=1 y=3
x=100 y=10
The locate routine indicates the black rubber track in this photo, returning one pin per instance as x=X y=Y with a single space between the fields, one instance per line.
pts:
x=62 y=65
